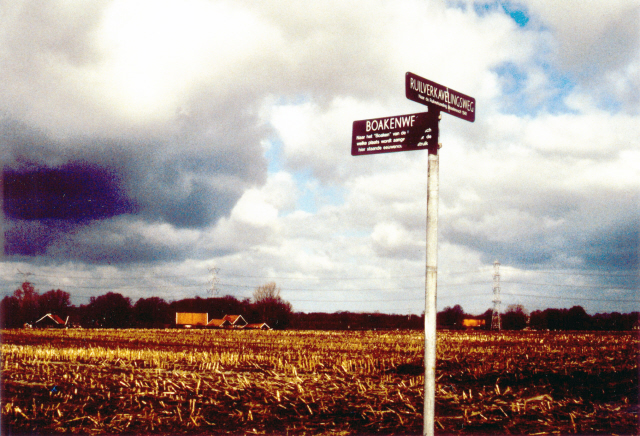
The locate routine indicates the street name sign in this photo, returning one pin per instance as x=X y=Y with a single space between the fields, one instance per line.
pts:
x=397 y=133
x=420 y=132
x=434 y=95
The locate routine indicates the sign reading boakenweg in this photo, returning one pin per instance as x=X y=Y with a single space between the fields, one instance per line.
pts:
x=397 y=133
x=446 y=99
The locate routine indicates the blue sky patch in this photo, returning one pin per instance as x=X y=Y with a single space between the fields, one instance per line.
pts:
x=518 y=15
x=520 y=99
x=314 y=195
x=517 y=12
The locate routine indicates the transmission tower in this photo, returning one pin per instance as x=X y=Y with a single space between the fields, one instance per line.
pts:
x=25 y=275
x=495 y=317
x=213 y=290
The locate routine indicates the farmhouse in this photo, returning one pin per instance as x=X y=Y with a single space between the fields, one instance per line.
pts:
x=190 y=319
x=218 y=323
x=235 y=321
x=471 y=323
x=259 y=326
x=51 y=321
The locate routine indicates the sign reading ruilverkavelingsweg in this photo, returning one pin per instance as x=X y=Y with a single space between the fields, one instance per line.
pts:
x=398 y=133
x=446 y=99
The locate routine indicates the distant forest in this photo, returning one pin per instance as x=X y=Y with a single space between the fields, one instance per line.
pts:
x=113 y=310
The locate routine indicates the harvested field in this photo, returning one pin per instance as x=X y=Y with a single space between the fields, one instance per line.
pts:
x=299 y=382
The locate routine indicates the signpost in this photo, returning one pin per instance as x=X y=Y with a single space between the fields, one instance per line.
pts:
x=419 y=132
x=447 y=100
x=397 y=133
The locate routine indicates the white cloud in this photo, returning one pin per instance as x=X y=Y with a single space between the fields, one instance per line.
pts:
x=158 y=53
x=598 y=44
x=261 y=206
x=592 y=35
x=392 y=240
x=221 y=119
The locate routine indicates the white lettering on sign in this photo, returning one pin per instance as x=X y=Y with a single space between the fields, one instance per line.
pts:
x=442 y=96
x=390 y=123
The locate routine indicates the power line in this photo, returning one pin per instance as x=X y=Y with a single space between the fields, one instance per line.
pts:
x=480 y=270
x=133 y=276
x=231 y=285
x=552 y=297
x=571 y=286
x=601 y=274
x=441 y=297
x=248 y=286
x=191 y=276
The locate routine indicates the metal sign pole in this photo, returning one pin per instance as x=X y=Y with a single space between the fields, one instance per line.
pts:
x=431 y=283
x=418 y=132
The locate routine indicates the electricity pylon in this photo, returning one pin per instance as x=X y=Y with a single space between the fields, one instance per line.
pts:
x=495 y=317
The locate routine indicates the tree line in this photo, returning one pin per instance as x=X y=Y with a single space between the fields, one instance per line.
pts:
x=113 y=310
x=517 y=318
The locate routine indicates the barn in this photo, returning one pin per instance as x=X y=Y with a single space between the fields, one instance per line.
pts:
x=218 y=323
x=191 y=319
x=235 y=321
x=51 y=321
x=259 y=326
x=471 y=323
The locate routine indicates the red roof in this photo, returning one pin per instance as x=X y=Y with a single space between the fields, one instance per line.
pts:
x=235 y=319
x=217 y=323
x=259 y=326
x=55 y=318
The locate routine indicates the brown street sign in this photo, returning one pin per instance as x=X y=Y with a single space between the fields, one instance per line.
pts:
x=447 y=100
x=397 y=133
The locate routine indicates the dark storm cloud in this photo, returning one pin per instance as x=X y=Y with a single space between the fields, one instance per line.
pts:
x=58 y=191
x=30 y=238
x=74 y=192
x=518 y=253
x=614 y=249
x=97 y=166
x=113 y=241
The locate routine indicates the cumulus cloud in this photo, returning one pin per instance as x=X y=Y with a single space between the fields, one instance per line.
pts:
x=176 y=134
x=597 y=42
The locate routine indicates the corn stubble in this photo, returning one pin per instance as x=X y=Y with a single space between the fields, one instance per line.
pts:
x=295 y=382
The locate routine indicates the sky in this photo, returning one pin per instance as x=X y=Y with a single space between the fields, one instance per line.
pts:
x=182 y=148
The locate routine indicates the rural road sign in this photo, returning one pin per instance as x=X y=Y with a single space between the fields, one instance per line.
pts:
x=447 y=100
x=397 y=133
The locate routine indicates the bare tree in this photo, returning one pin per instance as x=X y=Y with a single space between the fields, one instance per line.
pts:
x=515 y=318
x=266 y=293
x=269 y=306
